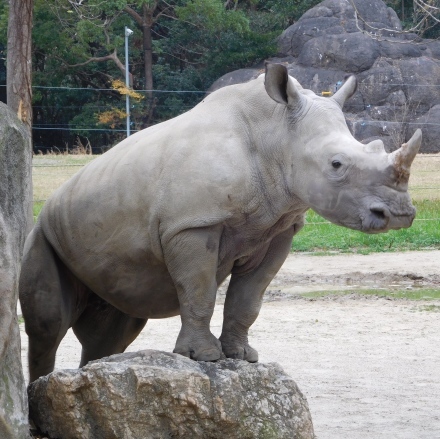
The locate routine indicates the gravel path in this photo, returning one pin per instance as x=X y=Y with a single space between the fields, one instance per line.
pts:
x=370 y=367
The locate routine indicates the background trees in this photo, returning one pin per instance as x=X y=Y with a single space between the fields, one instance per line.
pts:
x=178 y=49
x=177 y=45
x=420 y=16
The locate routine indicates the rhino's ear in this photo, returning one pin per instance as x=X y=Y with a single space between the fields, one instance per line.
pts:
x=346 y=91
x=279 y=86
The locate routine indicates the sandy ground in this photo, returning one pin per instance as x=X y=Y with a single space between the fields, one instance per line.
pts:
x=369 y=367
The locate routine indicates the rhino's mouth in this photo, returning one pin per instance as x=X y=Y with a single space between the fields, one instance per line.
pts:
x=376 y=221
x=381 y=219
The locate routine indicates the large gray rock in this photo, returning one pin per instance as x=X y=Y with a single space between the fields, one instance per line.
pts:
x=397 y=72
x=155 y=395
x=337 y=17
x=15 y=175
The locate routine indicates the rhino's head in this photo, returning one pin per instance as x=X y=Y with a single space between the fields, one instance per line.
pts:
x=351 y=184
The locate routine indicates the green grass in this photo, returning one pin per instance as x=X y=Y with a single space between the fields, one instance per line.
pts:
x=37 y=208
x=325 y=237
x=419 y=294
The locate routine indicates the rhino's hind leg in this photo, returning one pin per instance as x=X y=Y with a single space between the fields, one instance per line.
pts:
x=103 y=330
x=47 y=294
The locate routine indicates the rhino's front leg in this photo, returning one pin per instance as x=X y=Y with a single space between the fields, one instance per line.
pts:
x=245 y=295
x=191 y=258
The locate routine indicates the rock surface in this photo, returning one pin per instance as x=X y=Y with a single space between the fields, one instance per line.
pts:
x=15 y=174
x=398 y=73
x=152 y=394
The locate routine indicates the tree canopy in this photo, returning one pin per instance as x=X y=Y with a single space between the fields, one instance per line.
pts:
x=178 y=49
x=177 y=46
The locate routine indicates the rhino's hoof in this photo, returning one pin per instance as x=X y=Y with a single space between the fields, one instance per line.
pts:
x=251 y=354
x=242 y=353
x=211 y=354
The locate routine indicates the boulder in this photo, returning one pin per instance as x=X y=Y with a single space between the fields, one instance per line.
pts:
x=354 y=54
x=15 y=176
x=337 y=17
x=154 y=395
x=397 y=72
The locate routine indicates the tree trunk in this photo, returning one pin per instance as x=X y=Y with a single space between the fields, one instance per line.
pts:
x=147 y=22
x=19 y=60
x=19 y=74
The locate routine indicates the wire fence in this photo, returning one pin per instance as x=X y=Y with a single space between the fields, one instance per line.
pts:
x=68 y=116
x=50 y=171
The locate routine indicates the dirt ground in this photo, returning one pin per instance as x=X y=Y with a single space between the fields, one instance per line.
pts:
x=369 y=366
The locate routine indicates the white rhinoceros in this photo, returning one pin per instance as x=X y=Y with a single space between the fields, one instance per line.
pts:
x=152 y=227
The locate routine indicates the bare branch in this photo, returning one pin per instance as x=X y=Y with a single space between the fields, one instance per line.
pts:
x=133 y=14
x=93 y=59
x=376 y=33
x=425 y=7
x=110 y=57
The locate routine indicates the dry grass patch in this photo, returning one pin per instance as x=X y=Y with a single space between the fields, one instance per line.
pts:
x=424 y=183
x=49 y=172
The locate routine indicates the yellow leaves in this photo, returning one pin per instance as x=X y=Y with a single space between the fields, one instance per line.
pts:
x=112 y=117
x=115 y=116
x=121 y=88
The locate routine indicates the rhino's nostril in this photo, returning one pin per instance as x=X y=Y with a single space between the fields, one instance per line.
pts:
x=378 y=212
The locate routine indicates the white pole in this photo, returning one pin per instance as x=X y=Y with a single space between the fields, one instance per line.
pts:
x=128 y=32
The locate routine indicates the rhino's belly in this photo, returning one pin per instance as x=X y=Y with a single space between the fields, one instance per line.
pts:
x=136 y=283
x=142 y=289
x=139 y=290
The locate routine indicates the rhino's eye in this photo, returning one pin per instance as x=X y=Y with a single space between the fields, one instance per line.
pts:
x=336 y=164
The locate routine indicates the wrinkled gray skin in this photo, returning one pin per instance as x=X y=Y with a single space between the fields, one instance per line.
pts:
x=152 y=228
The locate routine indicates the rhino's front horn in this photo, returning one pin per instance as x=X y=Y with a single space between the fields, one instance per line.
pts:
x=404 y=156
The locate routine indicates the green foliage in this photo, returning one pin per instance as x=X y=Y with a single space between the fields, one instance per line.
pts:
x=281 y=14
x=321 y=236
x=211 y=16
x=3 y=22
x=208 y=42
x=194 y=43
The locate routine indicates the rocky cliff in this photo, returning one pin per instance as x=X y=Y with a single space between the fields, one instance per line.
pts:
x=398 y=72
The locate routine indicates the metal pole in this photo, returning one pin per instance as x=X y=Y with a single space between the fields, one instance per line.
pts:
x=128 y=32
